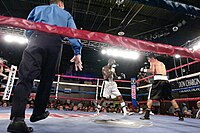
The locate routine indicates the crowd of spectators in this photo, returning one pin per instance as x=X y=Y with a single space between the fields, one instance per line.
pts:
x=87 y=106
x=109 y=107
x=189 y=113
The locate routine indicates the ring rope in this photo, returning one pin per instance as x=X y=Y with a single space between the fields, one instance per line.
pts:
x=84 y=85
x=175 y=90
x=141 y=102
x=86 y=78
x=178 y=100
x=88 y=99
x=125 y=42
x=179 y=78
x=5 y=66
x=172 y=69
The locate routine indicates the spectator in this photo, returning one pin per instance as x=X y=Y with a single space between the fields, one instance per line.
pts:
x=5 y=104
x=185 y=111
x=75 y=108
x=196 y=112
x=171 y=110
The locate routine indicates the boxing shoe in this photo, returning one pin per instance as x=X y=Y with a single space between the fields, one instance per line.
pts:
x=129 y=113
x=181 y=118
x=180 y=115
x=97 y=112
x=141 y=111
x=151 y=113
x=126 y=112
x=144 y=118
x=98 y=109
x=35 y=118
x=18 y=125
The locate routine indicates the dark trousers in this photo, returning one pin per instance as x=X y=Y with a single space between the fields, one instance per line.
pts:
x=39 y=60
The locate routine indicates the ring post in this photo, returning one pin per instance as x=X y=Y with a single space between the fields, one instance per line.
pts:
x=133 y=92
x=97 y=90
x=10 y=83
x=57 y=87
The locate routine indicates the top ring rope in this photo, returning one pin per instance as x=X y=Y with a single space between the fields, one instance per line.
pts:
x=172 y=69
x=130 y=43
x=171 y=80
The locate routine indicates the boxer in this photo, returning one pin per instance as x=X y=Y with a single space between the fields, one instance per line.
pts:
x=161 y=88
x=109 y=87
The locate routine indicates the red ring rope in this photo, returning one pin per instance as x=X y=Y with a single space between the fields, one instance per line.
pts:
x=172 y=69
x=88 y=99
x=4 y=66
x=86 y=78
x=178 y=100
x=133 y=44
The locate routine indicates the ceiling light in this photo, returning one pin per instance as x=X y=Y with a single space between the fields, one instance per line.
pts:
x=177 y=56
x=15 y=39
x=127 y=54
x=175 y=28
x=121 y=33
x=103 y=51
x=196 y=47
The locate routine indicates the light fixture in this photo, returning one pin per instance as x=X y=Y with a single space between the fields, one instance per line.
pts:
x=121 y=33
x=190 y=49
x=177 y=56
x=196 y=47
x=103 y=51
x=10 y=38
x=175 y=28
x=126 y=54
x=119 y=2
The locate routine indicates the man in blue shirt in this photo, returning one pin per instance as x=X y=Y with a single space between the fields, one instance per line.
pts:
x=40 y=60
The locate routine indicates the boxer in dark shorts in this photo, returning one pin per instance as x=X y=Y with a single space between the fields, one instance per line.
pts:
x=161 y=88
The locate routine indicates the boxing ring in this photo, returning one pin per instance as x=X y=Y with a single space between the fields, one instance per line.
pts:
x=61 y=121
x=84 y=122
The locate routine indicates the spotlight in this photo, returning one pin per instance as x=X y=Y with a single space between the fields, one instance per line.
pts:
x=121 y=33
x=177 y=56
x=103 y=51
x=196 y=47
x=8 y=38
x=190 y=49
x=22 y=40
x=126 y=54
x=155 y=36
x=179 y=24
x=175 y=28
x=119 y=2
x=184 y=22
x=15 y=39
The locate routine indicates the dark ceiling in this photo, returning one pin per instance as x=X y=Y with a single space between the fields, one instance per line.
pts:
x=135 y=20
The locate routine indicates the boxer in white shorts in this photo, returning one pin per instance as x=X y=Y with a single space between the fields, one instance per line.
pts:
x=109 y=87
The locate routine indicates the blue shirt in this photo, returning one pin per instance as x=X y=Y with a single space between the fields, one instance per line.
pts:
x=53 y=15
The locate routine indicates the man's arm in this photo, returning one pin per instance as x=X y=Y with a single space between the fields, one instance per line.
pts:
x=1 y=73
x=76 y=46
x=106 y=72
x=151 y=68
x=30 y=17
x=76 y=43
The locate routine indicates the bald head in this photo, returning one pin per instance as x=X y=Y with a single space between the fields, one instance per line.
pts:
x=198 y=104
x=111 y=61
x=55 y=1
x=59 y=3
